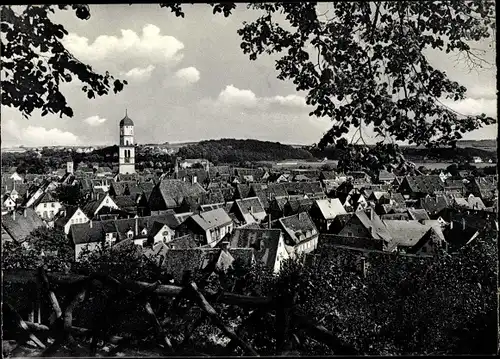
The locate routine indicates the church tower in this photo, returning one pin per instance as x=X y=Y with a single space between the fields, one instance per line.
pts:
x=126 y=154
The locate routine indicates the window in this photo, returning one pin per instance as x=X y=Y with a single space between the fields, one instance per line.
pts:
x=45 y=205
x=52 y=204
x=130 y=234
x=52 y=213
x=44 y=214
x=349 y=234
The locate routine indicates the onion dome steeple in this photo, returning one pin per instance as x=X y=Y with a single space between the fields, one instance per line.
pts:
x=126 y=121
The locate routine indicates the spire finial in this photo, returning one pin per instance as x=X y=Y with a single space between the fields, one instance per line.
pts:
x=126 y=112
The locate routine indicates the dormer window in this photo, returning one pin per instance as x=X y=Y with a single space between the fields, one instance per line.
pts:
x=144 y=231
x=130 y=234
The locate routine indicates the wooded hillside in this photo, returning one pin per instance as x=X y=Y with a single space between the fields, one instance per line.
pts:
x=230 y=150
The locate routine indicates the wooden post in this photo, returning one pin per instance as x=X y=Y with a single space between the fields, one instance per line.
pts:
x=38 y=303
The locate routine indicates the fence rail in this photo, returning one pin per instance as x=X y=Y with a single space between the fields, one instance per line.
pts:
x=77 y=287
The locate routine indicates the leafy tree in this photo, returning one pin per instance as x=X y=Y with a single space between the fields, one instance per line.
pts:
x=45 y=247
x=70 y=195
x=34 y=61
x=369 y=64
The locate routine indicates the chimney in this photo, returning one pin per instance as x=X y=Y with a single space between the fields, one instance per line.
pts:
x=24 y=214
x=251 y=209
x=14 y=214
x=225 y=246
x=137 y=226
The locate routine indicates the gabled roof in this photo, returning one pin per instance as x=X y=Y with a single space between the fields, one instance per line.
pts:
x=330 y=208
x=476 y=203
x=425 y=184
x=434 y=204
x=418 y=214
x=212 y=219
x=431 y=235
x=299 y=204
x=242 y=190
x=328 y=175
x=264 y=242
x=385 y=175
x=124 y=202
x=298 y=227
x=372 y=222
x=45 y=198
x=173 y=191
x=251 y=209
x=406 y=233
x=94 y=231
x=24 y=223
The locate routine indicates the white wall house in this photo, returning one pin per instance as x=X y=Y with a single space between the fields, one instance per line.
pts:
x=48 y=207
x=165 y=234
x=76 y=218
x=16 y=177
x=9 y=204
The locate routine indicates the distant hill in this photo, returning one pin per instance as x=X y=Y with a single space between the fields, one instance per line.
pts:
x=419 y=154
x=487 y=145
x=230 y=150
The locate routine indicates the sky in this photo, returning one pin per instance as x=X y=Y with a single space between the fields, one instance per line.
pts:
x=189 y=80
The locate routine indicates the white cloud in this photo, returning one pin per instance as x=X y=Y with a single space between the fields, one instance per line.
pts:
x=151 y=45
x=94 y=121
x=40 y=136
x=482 y=92
x=139 y=73
x=290 y=100
x=233 y=96
x=471 y=106
x=188 y=75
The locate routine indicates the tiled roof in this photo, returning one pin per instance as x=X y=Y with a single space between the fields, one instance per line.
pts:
x=434 y=204
x=476 y=203
x=372 y=222
x=125 y=202
x=173 y=191
x=214 y=196
x=406 y=233
x=212 y=219
x=264 y=242
x=242 y=191
x=251 y=209
x=418 y=214
x=328 y=175
x=330 y=208
x=425 y=184
x=299 y=205
x=95 y=231
x=385 y=175
x=23 y=224
x=258 y=189
x=298 y=227
x=45 y=198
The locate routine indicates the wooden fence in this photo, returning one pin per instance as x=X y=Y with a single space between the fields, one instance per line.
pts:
x=77 y=287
